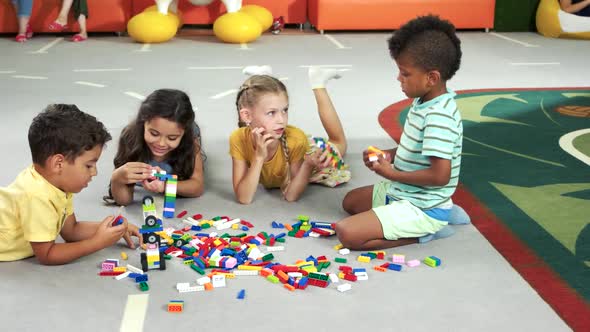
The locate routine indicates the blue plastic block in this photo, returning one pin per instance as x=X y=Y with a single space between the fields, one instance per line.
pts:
x=245 y=228
x=199 y=262
x=150 y=230
x=133 y=275
x=358 y=270
x=196 y=228
x=168 y=214
x=394 y=267
x=141 y=277
x=254 y=241
x=241 y=294
x=291 y=281
x=303 y=282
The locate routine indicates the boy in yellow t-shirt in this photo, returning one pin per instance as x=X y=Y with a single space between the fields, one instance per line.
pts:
x=65 y=145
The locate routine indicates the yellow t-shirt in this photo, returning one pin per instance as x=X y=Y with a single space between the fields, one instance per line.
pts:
x=31 y=210
x=274 y=170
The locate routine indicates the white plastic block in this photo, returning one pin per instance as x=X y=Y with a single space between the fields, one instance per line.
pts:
x=295 y=274
x=123 y=275
x=203 y=280
x=133 y=269
x=314 y=234
x=276 y=248
x=228 y=224
x=213 y=234
x=255 y=253
x=192 y=289
x=361 y=276
x=344 y=251
x=182 y=285
x=218 y=280
x=191 y=221
x=344 y=287
x=245 y=272
x=333 y=277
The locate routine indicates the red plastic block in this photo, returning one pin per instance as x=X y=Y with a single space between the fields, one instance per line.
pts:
x=197 y=216
x=181 y=214
x=247 y=224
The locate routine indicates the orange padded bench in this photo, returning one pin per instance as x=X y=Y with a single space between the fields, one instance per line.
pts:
x=391 y=14
x=293 y=11
x=104 y=16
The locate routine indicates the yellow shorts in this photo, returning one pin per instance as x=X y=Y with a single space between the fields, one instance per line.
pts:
x=401 y=219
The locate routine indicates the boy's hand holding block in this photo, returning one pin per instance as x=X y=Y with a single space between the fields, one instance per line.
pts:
x=374 y=153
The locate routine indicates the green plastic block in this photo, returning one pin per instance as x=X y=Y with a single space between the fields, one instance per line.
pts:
x=167 y=257
x=340 y=260
x=303 y=218
x=216 y=218
x=372 y=255
x=198 y=269
x=293 y=232
x=143 y=286
x=281 y=240
x=273 y=279
x=205 y=226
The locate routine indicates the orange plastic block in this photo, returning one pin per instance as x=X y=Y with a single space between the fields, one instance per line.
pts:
x=288 y=227
x=208 y=286
x=289 y=287
x=379 y=268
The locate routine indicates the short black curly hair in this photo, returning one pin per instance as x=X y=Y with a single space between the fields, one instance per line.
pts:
x=431 y=42
x=64 y=129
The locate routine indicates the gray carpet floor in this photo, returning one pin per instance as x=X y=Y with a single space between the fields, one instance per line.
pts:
x=474 y=290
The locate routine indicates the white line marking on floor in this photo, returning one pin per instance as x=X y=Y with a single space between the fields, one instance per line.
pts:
x=96 y=85
x=535 y=63
x=100 y=70
x=135 y=95
x=48 y=46
x=145 y=48
x=134 y=314
x=512 y=40
x=566 y=143
x=7 y=71
x=326 y=66
x=336 y=42
x=214 y=68
x=283 y=78
x=244 y=46
x=30 y=77
x=223 y=94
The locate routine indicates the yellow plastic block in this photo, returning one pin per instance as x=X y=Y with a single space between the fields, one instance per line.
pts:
x=364 y=259
x=120 y=269
x=249 y=268
x=124 y=255
x=234 y=226
x=338 y=246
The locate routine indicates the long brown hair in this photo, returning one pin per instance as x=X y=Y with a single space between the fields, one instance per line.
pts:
x=170 y=104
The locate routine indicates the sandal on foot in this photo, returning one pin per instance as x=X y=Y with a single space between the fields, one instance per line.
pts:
x=78 y=38
x=29 y=33
x=55 y=26
x=20 y=38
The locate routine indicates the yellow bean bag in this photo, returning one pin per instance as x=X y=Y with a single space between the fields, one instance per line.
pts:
x=554 y=22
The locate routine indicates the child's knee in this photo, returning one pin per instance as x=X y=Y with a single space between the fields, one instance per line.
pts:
x=345 y=236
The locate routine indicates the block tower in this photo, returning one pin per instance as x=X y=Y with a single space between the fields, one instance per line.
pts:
x=169 y=192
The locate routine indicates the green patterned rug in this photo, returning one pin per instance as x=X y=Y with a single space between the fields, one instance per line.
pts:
x=526 y=166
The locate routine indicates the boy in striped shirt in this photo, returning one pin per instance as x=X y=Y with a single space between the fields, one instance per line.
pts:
x=414 y=203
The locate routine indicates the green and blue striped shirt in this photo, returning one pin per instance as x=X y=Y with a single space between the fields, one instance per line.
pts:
x=432 y=129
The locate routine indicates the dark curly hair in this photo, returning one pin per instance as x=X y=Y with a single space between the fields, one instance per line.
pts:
x=64 y=129
x=432 y=44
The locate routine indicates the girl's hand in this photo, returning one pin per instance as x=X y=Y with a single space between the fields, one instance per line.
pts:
x=155 y=186
x=132 y=172
x=261 y=142
x=106 y=235
x=318 y=159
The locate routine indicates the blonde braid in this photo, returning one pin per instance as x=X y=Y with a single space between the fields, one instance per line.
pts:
x=287 y=178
